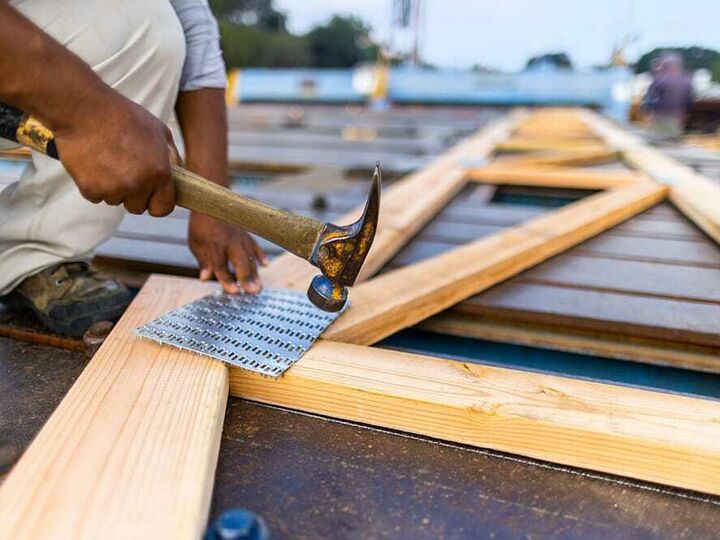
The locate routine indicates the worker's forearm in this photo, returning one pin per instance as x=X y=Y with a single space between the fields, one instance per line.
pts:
x=203 y=121
x=43 y=78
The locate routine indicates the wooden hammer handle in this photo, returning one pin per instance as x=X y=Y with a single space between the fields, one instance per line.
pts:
x=297 y=234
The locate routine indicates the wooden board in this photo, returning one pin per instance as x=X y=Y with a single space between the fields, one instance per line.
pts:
x=587 y=342
x=607 y=246
x=649 y=436
x=497 y=216
x=403 y=212
x=405 y=296
x=559 y=159
x=570 y=178
x=622 y=314
x=131 y=450
x=696 y=196
x=633 y=277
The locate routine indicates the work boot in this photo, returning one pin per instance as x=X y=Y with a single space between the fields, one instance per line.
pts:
x=69 y=297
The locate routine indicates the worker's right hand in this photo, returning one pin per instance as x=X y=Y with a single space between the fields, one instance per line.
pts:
x=119 y=153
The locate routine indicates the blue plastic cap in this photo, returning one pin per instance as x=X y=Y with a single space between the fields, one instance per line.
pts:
x=238 y=525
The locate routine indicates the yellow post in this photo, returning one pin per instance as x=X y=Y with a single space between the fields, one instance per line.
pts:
x=232 y=91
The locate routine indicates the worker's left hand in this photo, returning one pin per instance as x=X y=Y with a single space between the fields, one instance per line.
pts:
x=215 y=244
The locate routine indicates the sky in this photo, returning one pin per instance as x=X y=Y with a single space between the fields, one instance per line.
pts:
x=504 y=34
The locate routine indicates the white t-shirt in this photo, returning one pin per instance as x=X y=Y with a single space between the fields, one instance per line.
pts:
x=204 y=66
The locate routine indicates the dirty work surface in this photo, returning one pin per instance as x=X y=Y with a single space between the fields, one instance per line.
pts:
x=33 y=381
x=313 y=478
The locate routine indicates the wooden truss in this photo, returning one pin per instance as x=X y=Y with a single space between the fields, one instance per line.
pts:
x=131 y=450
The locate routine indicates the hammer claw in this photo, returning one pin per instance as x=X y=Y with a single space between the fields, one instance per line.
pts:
x=341 y=251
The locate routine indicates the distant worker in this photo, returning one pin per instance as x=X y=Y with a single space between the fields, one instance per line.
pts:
x=669 y=98
x=106 y=77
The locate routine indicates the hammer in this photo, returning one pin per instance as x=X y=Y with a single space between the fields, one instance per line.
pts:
x=338 y=251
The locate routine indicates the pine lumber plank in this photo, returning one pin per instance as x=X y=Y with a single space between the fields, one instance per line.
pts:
x=669 y=319
x=617 y=243
x=499 y=216
x=403 y=297
x=593 y=343
x=407 y=205
x=559 y=159
x=521 y=145
x=563 y=178
x=681 y=252
x=131 y=450
x=696 y=196
x=645 y=435
x=634 y=277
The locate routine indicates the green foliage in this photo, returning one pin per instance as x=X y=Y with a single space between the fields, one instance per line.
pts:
x=250 y=46
x=341 y=43
x=693 y=58
x=559 y=59
x=254 y=34
x=260 y=13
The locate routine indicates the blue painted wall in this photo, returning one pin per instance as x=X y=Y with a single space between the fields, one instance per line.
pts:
x=607 y=90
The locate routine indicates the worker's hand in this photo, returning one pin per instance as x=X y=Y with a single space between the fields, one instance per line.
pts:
x=119 y=153
x=215 y=243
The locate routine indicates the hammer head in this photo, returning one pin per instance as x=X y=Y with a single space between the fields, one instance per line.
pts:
x=341 y=251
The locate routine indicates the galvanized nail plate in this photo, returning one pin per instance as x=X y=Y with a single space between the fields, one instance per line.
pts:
x=266 y=333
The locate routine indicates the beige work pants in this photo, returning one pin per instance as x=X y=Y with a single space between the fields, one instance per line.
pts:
x=138 y=48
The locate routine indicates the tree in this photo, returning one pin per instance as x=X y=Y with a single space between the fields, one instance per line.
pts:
x=341 y=43
x=558 y=60
x=254 y=34
x=693 y=58
x=260 y=13
x=250 y=46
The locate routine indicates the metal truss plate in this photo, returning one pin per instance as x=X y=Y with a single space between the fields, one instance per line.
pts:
x=266 y=333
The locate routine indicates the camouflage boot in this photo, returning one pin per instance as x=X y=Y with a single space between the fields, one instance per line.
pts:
x=69 y=297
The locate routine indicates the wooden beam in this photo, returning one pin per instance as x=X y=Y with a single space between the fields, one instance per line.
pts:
x=694 y=195
x=403 y=297
x=593 y=343
x=131 y=450
x=406 y=206
x=649 y=436
x=559 y=159
x=521 y=145
x=561 y=178
x=539 y=133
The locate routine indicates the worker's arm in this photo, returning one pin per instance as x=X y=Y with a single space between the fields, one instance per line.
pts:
x=203 y=121
x=115 y=150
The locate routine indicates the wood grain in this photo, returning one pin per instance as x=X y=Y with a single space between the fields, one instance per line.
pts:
x=407 y=205
x=634 y=277
x=558 y=159
x=401 y=298
x=681 y=321
x=621 y=346
x=565 y=178
x=131 y=450
x=696 y=196
x=644 y=435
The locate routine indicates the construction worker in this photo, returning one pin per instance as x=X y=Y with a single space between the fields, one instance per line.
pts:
x=669 y=98
x=106 y=76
